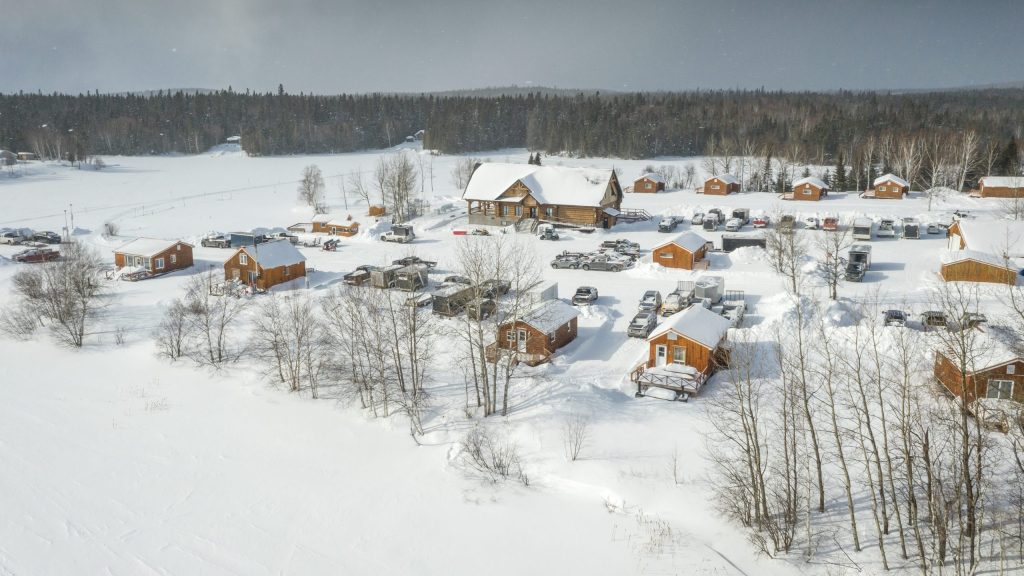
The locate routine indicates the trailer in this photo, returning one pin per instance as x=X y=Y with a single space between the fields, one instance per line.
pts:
x=711 y=288
x=911 y=229
x=886 y=228
x=861 y=254
x=411 y=278
x=830 y=224
x=384 y=277
x=742 y=214
x=451 y=300
x=862 y=229
x=239 y=239
x=731 y=242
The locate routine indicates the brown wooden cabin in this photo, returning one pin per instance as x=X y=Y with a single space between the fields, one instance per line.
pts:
x=999 y=237
x=809 y=189
x=502 y=194
x=265 y=265
x=997 y=373
x=153 y=255
x=694 y=338
x=1001 y=187
x=721 y=185
x=537 y=334
x=683 y=252
x=376 y=210
x=889 y=187
x=649 y=183
x=328 y=224
x=974 y=266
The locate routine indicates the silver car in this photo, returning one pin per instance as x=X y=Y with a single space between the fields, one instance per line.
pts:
x=642 y=324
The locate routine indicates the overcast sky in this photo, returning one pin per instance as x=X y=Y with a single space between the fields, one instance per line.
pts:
x=334 y=46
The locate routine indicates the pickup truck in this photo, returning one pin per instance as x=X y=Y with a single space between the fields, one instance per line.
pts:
x=217 y=241
x=36 y=256
x=602 y=262
x=411 y=260
x=11 y=237
x=584 y=295
x=359 y=276
x=399 y=233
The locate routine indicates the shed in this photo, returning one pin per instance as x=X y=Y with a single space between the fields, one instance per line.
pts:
x=1001 y=187
x=889 y=186
x=721 y=185
x=535 y=335
x=648 y=183
x=694 y=338
x=153 y=255
x=265 y=265
x=976 y=266
x=684 y=251
x=809 y=188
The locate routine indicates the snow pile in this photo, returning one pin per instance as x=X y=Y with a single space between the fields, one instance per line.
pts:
x=748 y=254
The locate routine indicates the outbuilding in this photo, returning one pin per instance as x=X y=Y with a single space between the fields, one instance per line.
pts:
x=535 y=336
x=265 y=265
x=1001 y=187
x=976 y=266
x=808 y=188
x=649 y=183
x=684 y=251
x=721 y=185
x=889 y=187
x=684 y=351
x=153 y=255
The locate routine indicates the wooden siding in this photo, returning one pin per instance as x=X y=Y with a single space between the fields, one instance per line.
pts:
x=646 y=185
x=335 y=229
x=890 y=190
x=697 y=355
x=1002 y=191
x=948 y=374
x=181 y=251
x=807 y=192
x=537 y=343
x=723 y=188
x=974 y=271
x=264 y=277
x=673 y=256
x=960 y=242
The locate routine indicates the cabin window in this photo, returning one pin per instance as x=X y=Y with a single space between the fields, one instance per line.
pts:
x=519 y=210
x=285 y=270
x=881 y=188
x=159 y=263
x=1011 y=369
x=504 y=210
x=549 y=211
x=510 y=335
x=243 y=259
x=679 y=355
x=714 y=186
x=174 y=258
x=665 y=255
x=1000 y=389
x=647 y=185
x=178 y=247
x=806 y=192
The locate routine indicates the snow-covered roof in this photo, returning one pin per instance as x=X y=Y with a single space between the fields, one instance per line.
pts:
x=557 y=185
x=689 y=241
x=550 y=315
x=653 y=177
x=727 y=178
x=953 y=256
x=147 y=246
x=696 y=323
x=274 y=254
x=1002 y=181
x=991 y=350
x=816 y=182
x=890 y=177
x=1000 y=237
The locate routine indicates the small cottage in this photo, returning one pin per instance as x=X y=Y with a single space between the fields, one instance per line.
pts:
x=685 y=251
x=536 y=335
x=684 y=351
x=721 y=185
x=808 y=188
x=265 y=265
x=1001 y=187
x=889 y=187
x=994 y=372
x=334 y=225
x=649 y=183
x=976 y=266
x=154 y=256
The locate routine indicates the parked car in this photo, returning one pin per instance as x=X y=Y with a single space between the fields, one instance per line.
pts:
x=412 y=260
x=47 y=237
x=674 y=302
x=830 y=223
x=622 y=246
x=733 y=225
x=734 y=311
x=399 y=233
x=933 y=228
x=481 y=308
x=761 y=222
x=584 y=295
x=359 y=276
x=651 y=301
x=458 y=280
x=698 y=218
x=668 y=224
x=548 y=234
x=717 y=213
x=36 y=255
x=216 y=241
x=642 y=324
x=933 y=319
x=886 y=228
x=894 y=318
x=602 y=262
x=563 y=261
x=11 y=237
x=710 y=223
x=855 y=271
x=495 y=288
x=743 y=214
x=419 y=300
x=811 y=223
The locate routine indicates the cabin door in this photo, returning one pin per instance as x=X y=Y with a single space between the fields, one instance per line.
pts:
x=253 y=275
x=235 y=273
x=521 y=340
x=533 y=211
x=660 y=354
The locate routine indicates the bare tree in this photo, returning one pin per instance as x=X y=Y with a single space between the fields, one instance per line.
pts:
x=832 y=244
x=395 y=178
x=462 y=171
x=173 y=331
x=786 y=250
x=212 y=322
x=575 y=435
x=358 y=186
x=965 y=156
x=312 y=188
x=288 y=338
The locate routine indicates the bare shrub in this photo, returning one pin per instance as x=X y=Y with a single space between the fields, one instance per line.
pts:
x=492 y=458
x=575 y=435
x=172 y=332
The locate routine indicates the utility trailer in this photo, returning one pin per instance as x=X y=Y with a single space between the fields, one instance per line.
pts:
x=911 y=229
x=384 y=277
x=411 y=278
x=861 y=254
x=862 y=229
x=731 y=242
x=451 y=300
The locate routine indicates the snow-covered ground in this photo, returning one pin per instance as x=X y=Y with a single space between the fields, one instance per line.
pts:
x=116 y=461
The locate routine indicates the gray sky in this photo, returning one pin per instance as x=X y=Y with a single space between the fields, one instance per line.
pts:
x=334 y=46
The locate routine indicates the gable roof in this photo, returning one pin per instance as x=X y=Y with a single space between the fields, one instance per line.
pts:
x=548 y=184
x=550 y=315
x=1003 y=181
x=148 y=246
x=890 y=177
x=816 y=182
x=999 y=237
x=653 y=177
x=274 y=254
x=953 y=256
x=689 y=241
x=696 y=323
x=727 y=178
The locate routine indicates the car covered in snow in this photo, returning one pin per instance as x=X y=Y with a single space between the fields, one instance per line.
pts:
x=642 y=324
x=603 y=262
x=481 y=308
x=734 y=311
x=584 y=295
x=651 y=300
x=419 y=300
x=855 y=271
x=698 y=218
x=733 y=225
x=812 y=223
x=565 y=261
x=674 y=302
x=455 y=279
x=894 y=317
x=668 y=224
x=761 y=222
x=414 y=260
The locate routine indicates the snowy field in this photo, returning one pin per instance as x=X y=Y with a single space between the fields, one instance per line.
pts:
x=117 y=461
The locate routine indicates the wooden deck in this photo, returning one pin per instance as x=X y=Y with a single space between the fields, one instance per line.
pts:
x=680 y=384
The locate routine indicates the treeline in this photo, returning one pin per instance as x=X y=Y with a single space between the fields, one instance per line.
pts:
x=817 y=125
